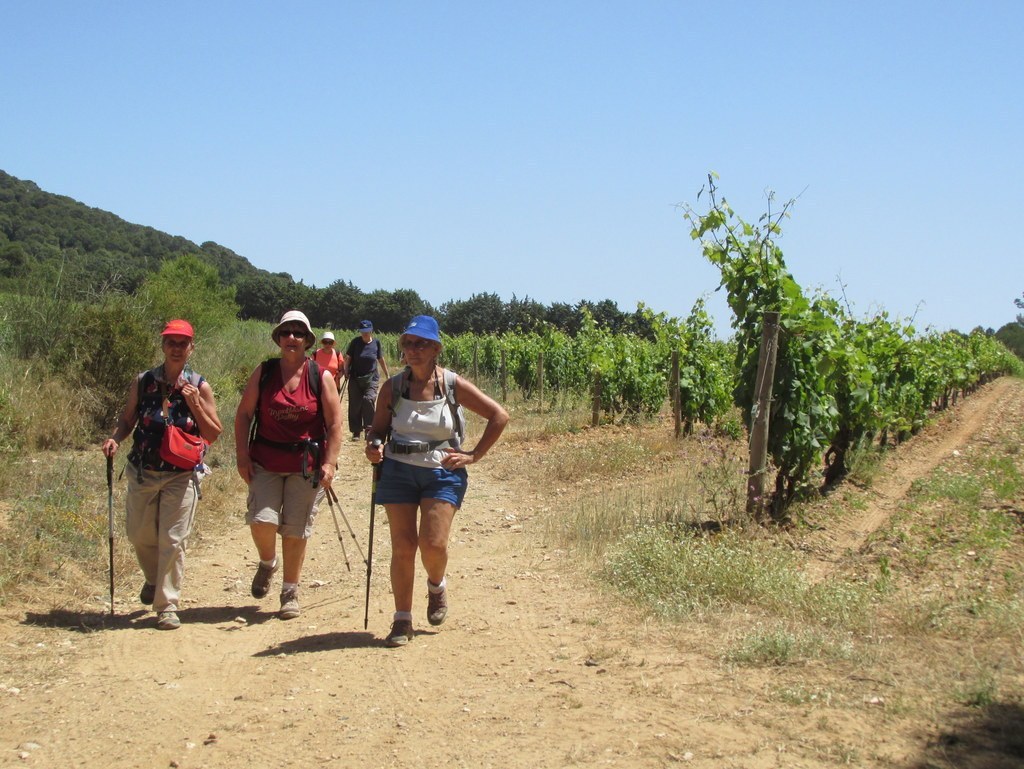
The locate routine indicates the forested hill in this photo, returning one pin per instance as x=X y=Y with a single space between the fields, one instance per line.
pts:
x=53 y=244
x=44 y=236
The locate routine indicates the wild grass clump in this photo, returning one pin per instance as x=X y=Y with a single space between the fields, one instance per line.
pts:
x=777 y=645
x=56 y=527
x=645 y=479
x=675 y=574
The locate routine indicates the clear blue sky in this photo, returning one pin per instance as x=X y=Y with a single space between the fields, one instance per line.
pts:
x=540 y=148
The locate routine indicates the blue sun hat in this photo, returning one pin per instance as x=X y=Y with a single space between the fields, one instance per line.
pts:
x=365 y=327
x=425 y=327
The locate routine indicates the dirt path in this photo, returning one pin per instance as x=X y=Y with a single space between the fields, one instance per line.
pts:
x=916 y=458
x=532 y=669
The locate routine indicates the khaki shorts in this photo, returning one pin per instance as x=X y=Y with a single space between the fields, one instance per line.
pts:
x=286 y=500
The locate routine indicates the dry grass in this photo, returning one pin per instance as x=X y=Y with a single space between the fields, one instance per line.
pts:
x=924 y=625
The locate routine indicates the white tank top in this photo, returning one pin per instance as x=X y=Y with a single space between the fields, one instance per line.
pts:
x=421 y=422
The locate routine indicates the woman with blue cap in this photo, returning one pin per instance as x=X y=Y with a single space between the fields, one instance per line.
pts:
x=423 y=477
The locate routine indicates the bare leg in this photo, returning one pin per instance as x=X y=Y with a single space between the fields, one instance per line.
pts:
x=404 y=541
x=435 y=527
x=264 y=535
x=294 y=552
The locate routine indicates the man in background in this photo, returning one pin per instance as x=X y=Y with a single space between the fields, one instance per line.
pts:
x=361 y=358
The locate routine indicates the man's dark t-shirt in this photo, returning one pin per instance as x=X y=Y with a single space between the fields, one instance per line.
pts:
x=363 y=356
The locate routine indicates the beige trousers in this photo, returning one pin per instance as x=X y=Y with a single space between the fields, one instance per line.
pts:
x=160 y=511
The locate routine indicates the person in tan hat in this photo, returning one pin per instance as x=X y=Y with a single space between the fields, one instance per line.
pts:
x=328 y=357
x=162 y=497
x=288 y=456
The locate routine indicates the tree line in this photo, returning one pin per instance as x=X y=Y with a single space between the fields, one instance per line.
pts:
x=57 y=242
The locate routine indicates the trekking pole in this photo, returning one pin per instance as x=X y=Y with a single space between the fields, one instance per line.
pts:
x=337 y=528
x=110 y=524
x=332 y=496
x=369 y=547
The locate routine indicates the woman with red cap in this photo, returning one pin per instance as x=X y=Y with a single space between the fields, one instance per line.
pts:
x=162 y=496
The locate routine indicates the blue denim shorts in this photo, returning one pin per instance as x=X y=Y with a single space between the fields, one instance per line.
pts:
x=402 y=483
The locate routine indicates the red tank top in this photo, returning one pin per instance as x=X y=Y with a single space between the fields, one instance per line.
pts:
x=286 y=418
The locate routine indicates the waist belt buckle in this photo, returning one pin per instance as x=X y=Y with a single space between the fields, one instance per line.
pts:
x=412 y=448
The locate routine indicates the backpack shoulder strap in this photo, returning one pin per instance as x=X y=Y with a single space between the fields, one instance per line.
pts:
x=451 y=396
x=141 y=381
x=396 y=388
x=267 y=368
x=315 y=382
x=450 y=378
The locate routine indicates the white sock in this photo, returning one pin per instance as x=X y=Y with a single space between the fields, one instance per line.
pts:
x=437 y=588
x=286 y=585
x=269 y=564
x=400 y=615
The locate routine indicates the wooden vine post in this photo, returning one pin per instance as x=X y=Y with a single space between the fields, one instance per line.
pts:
x=540 y=380
x=758 y=467
x=673 y=394
x=504 y=377
x=595 y=414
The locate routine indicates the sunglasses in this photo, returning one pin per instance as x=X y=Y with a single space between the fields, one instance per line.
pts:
x=183 y=345
x=327 y=341
x=298 y=333
x=416 y=344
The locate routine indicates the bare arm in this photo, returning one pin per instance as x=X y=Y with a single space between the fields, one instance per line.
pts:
x=243 y=421
x=332 y=422
x=204 y=408
x=472 y=398
x=381 y=424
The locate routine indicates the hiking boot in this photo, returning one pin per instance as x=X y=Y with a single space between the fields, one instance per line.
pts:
x=261 y=581
x=289 y=603
x=401 y=633
x=167 y=620
x=355 y=436
x=147 y=594
x=437 y=606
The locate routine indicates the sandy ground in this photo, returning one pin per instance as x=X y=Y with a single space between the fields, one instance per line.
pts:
x=534 y=667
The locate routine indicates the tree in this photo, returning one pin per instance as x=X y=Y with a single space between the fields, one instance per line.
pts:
x=339 y=305
x=189 y=288
x=391 y=310
x=523 y=315
x=1012 y=335
x=563 y=317
x=260 y=296
x=480 y=314
x=606 y=314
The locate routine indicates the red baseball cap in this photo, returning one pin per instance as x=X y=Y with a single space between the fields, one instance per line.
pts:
x=178 y=328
